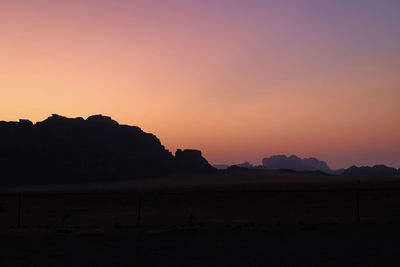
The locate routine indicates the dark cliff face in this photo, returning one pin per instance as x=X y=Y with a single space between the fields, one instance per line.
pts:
x=64 y=150
x=192 y=160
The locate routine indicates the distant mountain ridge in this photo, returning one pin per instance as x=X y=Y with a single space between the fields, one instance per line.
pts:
x=74 y=150
x=221 y=166
x=70 y=150
x=295 y=163
x=292 y=162
x=375 y=171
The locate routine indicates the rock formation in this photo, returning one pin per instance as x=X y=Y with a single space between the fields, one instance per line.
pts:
x=375 y=171
x=192 y=160
x=65 y=150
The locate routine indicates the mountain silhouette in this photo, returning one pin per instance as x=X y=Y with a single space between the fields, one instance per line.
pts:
x=192 y=160
x=282 y=162
x=377 y=170
x=245 y=165
x=74 y=150
x=221 y=166
x=297 y=164
x=242 y=165
x=71 y=150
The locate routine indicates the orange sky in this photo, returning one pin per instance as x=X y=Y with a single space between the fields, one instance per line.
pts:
x=239 y=80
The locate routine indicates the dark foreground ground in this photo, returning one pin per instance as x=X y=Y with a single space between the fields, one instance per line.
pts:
x=296 y=245
x=323 y=221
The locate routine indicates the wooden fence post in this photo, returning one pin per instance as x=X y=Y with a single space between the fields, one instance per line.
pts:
x=191 y=220
x=19 y=209
x=358 y=201
x=139 y=214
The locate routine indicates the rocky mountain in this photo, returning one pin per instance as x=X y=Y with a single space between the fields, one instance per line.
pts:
x=66 y=150
x=242 y=165
x=191 y=160
x=295 y=163
x=375 y=171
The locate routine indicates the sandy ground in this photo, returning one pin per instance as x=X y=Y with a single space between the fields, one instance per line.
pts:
x=296 y=245
x=212 y=207
x=270 y=223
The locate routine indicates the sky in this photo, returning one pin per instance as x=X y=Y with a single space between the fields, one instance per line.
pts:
x=238 y=79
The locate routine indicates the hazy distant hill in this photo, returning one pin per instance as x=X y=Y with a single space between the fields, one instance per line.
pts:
x=224 y=166
x=283 y=162
x=65 y=150
x=245 y=165
x=221 y=166
x=295 y=163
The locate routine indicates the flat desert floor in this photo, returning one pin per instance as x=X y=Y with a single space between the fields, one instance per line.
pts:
x=278 y=222
x=300 y=245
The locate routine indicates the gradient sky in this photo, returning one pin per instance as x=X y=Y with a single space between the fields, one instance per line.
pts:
x=239 y=80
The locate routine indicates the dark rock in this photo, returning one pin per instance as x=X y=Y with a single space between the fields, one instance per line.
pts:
x=375 y=171
x=26 y=123
x=102 y=120
x=65 y=150
x=295 y=163
x=192 y=160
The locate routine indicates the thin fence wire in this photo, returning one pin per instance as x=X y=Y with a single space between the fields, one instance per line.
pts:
x=211 y=208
